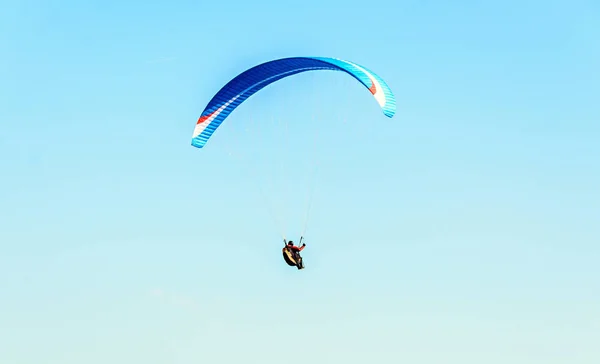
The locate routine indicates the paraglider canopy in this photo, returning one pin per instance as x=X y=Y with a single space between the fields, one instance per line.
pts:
x=251 y=81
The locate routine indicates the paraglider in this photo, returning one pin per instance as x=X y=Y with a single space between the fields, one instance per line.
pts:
x=254 y=79
x=291 y=253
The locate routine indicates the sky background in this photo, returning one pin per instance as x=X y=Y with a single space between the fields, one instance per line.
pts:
x=463 y=230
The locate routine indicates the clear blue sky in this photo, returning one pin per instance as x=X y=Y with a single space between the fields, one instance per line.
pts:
x=464 y=230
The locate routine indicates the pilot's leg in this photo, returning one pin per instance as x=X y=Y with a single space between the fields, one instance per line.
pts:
x=300 y=263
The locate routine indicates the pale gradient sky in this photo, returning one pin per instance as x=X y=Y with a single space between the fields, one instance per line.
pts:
x=470 y=220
